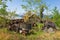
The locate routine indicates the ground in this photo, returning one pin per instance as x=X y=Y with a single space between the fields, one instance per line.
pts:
x=8 y=35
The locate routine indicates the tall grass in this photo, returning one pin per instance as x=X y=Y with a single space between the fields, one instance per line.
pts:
x=39 y=35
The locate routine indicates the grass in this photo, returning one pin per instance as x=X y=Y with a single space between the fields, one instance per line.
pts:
x=40 y=35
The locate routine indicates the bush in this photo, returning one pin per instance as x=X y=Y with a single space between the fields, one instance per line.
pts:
x=39 y=26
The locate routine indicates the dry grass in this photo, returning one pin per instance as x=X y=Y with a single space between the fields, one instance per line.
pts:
x=50 y=36
x=6 y=35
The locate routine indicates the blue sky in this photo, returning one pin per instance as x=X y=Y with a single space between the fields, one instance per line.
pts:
x=16 y=5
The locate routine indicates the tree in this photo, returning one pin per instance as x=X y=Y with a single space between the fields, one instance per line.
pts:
x=55 y=13
x=4 y=14
x=36 y=6
x=12 y=15
x=42 y=10
x=56 y=16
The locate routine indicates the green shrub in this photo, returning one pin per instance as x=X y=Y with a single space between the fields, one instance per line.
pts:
x=39 y=26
